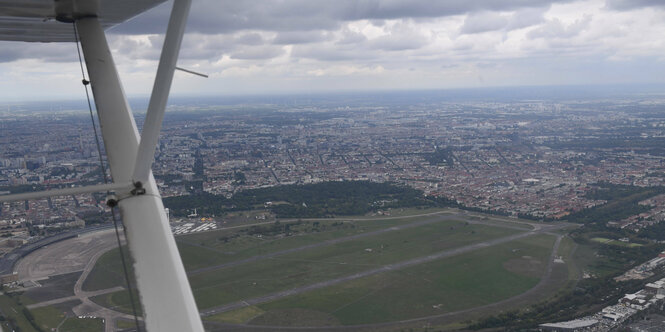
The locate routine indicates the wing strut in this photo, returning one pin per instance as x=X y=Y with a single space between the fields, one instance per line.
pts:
x=160 y=90
x=98 y=188
x=166 y=297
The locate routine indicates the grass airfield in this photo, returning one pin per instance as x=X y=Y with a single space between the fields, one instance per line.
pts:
x=461 y=282
x=317 y=251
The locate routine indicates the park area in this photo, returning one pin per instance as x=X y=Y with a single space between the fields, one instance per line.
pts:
x=351 y=272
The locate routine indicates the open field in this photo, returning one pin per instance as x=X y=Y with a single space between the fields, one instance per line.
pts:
x=82 y=325
x=14 y=314
x=323 y=263
x=238 y=316
x=589 y=258
x=317 y=264
x=468 y=280
x=613 y=242
x=231 y=245
x=48 y=317
x=107 y=272
x=119 y=301
x=470 y=262
x=208 y=249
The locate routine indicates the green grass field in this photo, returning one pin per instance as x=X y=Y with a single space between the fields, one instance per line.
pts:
x=14 y=315
x=468 y=280
x=48 y=317
x=74 y=324
x=613 y=242
x=317 y=264
x=313 y=265
x=227 y=247
x=119 y=301
x=239 y=316
x=218 y=247
x=126 y=324
x=108 y=271
x=587 y=258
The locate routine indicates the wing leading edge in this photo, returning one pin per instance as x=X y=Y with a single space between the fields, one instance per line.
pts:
x=35 y=20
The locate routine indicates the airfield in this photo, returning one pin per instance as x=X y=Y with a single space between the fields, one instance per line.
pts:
x=423 y=268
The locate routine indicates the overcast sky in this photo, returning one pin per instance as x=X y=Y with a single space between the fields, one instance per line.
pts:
x=303 y=46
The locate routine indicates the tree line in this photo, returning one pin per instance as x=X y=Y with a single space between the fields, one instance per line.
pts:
x=325 y=199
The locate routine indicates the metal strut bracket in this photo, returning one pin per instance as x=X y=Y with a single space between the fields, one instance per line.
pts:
x=138 y=189
x=66 y=192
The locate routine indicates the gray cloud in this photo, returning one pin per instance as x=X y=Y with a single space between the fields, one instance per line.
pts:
x=243 y=45
x=492 y=21
x=350 y=37
x=333 y=53
x=483 y=22
x=300 y=37
x=60 y=52
x=400 y=37
x=258 y=52
x=555 y=29
x=216 y=16
x=633 y=4
x=341 y=43
x=526 y=18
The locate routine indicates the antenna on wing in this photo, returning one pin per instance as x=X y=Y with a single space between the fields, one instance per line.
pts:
x=191 y=72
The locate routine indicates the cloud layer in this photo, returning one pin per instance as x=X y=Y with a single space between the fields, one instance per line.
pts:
x=304 y=45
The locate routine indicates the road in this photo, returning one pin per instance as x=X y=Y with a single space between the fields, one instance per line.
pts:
x=74 y=297
x=65 y=256
x=385 y=268
x=87 y=307
x=8 y=262
x=72 y=255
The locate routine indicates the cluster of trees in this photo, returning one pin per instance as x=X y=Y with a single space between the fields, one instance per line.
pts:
x=655 y=232
x=198 y=167
x=447 y=202
x=622 y=202
x=288 y=229
x=270 y=230
x=610 y=192
x=324 y=199
x=626 y=142
x=205 y=203
x=239 y=178
x=440 y=157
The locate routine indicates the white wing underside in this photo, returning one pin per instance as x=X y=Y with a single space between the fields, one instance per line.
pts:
x=35 y=20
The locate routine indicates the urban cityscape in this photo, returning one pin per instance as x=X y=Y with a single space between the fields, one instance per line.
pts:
x=556 y=162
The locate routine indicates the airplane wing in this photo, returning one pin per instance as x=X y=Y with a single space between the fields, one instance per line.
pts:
x=35 y=20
